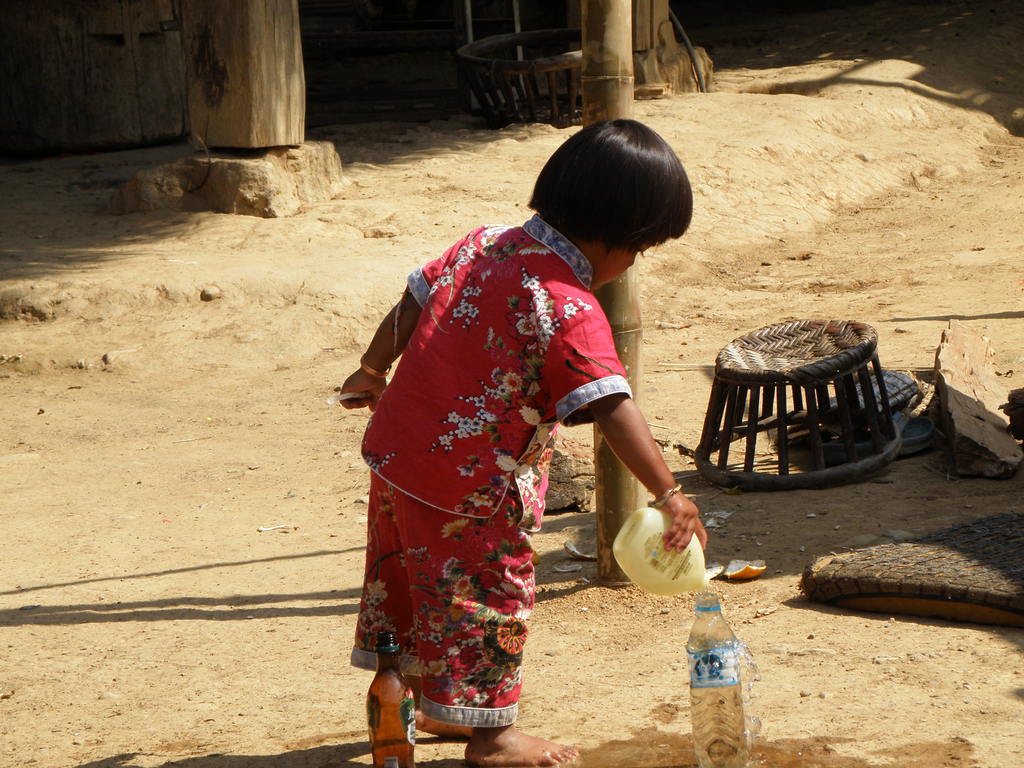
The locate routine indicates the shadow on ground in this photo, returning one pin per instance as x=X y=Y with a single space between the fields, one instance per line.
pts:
x=966 y=52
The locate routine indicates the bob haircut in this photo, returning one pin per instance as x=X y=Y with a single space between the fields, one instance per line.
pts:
x=617 y=182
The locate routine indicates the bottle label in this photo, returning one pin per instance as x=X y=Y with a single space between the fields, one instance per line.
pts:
x=407 y=711
x=670 y=563
x=714 y=667
x=406 y=715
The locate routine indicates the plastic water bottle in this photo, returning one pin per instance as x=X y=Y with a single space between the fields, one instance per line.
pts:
x=722 y=733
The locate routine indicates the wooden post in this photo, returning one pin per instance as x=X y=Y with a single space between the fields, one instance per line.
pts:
x=246 y=86
x=607 y=69
x=607 y=87
x=660 y=64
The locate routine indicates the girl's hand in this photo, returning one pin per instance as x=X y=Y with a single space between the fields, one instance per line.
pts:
x=685 y=523
x=369 y=387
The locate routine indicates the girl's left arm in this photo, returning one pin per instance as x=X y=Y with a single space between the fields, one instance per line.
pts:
x=625 y=430
x=385 y=347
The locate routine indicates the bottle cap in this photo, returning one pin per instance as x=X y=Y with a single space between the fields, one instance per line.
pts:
x=387 y=642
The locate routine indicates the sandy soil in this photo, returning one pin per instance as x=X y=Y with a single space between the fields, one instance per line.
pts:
x=855 y=164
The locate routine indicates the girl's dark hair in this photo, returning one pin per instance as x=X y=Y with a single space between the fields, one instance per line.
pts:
x=617 y=182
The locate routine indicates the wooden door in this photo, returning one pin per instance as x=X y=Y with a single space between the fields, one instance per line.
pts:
x=102 y=74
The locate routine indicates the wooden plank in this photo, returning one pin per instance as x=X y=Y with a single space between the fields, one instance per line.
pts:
x=969 y=395
x=246 y=86
x=154 y=32
x=642 y=37
x=649 y=18
x=109 y=84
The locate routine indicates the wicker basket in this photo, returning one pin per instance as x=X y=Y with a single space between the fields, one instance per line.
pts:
x=526 y=77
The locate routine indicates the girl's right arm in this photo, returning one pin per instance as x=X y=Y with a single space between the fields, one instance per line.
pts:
x=387 y=345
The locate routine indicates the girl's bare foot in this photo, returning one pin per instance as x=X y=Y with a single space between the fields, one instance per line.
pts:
x=437 y=728
x=508 y=746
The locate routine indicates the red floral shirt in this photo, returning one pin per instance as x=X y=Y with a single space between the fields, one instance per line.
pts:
x=510 y=343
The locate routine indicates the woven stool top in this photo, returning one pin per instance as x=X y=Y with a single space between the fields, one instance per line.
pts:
x=804 y=351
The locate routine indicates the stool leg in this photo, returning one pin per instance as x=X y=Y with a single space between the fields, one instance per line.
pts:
x=752 y=418
x=890 y=428
x=741 y=403
x=798 y=399
x=812 y=427
x=768 y=400
x=713 y=419
x=852 y=396
x=871 y=408
x=824 y=399
x=846 y=418
x=782 y=442
x=733 y=410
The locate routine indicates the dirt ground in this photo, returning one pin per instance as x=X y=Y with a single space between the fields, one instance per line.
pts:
x=859 y=163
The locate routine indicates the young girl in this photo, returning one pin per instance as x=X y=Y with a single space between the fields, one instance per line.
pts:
x=501 y=340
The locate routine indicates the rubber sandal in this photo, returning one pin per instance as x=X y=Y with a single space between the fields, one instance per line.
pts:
x=916 y=432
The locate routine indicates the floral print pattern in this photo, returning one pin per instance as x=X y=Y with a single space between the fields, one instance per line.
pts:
x=509 y=333
x=457 y=592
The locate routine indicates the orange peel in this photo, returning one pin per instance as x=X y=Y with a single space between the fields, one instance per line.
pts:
x=745 y=569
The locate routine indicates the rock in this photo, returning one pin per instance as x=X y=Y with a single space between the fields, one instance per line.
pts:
x=381 y=231
x=1015 y=124
x=571 y=479
x=1014 y=410
x=270 y=183
x=115 y=356
x=969 y=395
x=210 y=292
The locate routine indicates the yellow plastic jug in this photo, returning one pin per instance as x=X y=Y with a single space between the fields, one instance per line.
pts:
x=640 y=552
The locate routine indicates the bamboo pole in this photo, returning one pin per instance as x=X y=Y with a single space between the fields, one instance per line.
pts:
x=607 y=86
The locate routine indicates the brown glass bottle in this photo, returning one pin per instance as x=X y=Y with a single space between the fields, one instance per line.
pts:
x=390 y=708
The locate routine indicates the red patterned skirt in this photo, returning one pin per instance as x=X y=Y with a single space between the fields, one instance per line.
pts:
x=457 y=591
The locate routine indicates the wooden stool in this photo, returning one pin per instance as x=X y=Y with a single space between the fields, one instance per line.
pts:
x=791 y=378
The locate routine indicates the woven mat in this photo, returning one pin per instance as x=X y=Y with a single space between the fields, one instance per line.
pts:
x=970 y=572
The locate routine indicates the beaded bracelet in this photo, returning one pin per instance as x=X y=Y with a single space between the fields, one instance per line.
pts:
x=373 y=371
x=660 y=502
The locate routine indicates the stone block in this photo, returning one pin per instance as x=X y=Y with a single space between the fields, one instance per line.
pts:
x=268 y=183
